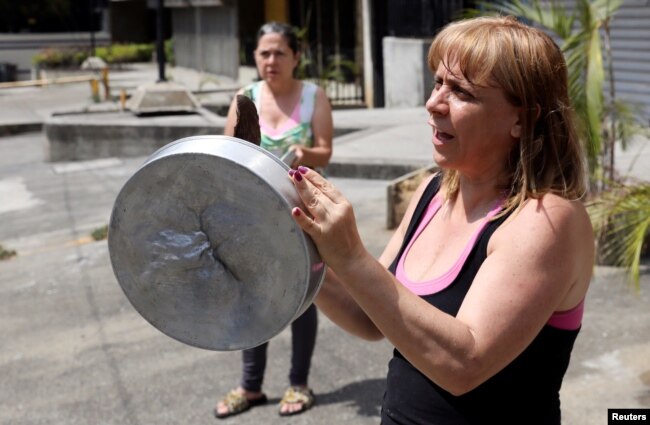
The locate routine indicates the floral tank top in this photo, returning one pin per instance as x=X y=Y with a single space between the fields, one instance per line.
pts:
x=296 y=130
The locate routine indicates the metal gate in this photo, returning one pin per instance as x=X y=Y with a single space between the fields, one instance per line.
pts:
x=342 y=94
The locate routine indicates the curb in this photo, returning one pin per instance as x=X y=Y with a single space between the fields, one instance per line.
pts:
x=20 y=128
x=369 y=170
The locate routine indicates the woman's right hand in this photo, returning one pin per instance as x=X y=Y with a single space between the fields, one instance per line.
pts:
x=329 y=219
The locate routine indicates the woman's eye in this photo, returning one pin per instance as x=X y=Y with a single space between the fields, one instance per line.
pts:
x=461 y=91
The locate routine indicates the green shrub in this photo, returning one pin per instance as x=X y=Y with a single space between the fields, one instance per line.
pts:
x=60 y=57
x=72 y=57
x=169 y=52
x=6 y=253
x=100 y=233
x=125 y=53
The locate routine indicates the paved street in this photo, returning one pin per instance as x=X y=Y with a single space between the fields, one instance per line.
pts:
x=76 y=352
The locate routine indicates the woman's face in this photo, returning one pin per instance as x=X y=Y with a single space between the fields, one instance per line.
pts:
x=474 y=127
x=274 y=58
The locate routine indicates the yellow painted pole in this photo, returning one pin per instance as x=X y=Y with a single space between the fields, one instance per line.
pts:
x=94 y=89
x=276 y=10
x=107 y=89
x=123 y=99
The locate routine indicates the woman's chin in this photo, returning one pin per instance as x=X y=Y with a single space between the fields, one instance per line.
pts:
x=441 y=161
x=272 y=77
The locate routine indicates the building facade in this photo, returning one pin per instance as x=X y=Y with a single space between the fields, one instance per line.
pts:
x=363 y=43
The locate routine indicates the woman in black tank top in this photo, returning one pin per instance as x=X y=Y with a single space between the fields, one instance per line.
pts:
x=489 y=250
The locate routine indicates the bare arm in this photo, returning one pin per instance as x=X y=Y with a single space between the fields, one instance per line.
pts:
x=334 y=300
x=337 y=304
x=524 y=279
x=322 y=129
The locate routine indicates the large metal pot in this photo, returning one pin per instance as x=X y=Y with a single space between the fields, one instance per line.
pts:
x=202 y=242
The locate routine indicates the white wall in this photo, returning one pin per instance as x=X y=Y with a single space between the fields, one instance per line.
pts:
x=407 y=80
x=206 y=39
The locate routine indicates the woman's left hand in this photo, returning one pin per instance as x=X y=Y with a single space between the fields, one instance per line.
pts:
x=329 y=219
x=300 y=154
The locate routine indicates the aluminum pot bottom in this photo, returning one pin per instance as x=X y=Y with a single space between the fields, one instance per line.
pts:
x=206 y=251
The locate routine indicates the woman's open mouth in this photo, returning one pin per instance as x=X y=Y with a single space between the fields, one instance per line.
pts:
x=440 y=137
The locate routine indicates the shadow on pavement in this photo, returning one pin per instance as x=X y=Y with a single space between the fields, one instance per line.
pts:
x=358 y=394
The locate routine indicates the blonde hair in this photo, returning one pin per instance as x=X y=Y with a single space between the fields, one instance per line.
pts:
x=530 y=68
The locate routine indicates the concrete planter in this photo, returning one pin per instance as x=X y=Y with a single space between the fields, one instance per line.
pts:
x=85 y=135
x=400 y=191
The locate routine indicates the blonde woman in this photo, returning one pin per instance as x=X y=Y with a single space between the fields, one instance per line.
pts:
x=481 y=289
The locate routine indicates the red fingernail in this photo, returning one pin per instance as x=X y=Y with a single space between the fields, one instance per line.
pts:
x=303 y=170
x=292 y=172
x=296 y=212
x=297 y=176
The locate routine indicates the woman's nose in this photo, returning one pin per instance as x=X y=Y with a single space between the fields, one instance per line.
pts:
x=437 y=102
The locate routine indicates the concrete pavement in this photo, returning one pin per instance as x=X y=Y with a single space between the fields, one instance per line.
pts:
x=75 y=352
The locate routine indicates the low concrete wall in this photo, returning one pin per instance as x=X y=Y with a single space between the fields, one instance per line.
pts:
x=93 y=134
x=368 y=170
x=84 y=136
x=104 y=133
x=407 y=80
x=20 y=128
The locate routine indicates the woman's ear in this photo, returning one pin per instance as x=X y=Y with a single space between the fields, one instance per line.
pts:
x=515 y=131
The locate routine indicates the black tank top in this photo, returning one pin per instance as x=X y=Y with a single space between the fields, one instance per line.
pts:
x=524 y=392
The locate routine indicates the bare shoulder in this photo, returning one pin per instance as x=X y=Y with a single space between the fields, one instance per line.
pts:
x=550 y=231
x=550 y=219
x=555 y=213
x=320 y=95
x=322 y=123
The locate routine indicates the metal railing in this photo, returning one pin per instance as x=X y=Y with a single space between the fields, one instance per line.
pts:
x=342 y=93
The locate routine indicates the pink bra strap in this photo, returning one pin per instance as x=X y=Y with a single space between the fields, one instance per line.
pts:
x=569 y=319
x=441 y=282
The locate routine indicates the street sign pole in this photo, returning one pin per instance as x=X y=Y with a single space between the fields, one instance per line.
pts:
x=160 y=44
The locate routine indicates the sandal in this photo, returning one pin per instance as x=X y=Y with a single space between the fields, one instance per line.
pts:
x=297 y=395
x=238 y=403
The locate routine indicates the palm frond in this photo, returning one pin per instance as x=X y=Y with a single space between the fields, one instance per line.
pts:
x=554 y=18
x=595 y=76
x=621 y=219
x=604 y=9
x=628 y=117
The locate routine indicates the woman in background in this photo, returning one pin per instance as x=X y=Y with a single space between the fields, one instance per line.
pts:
x=295 y=120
